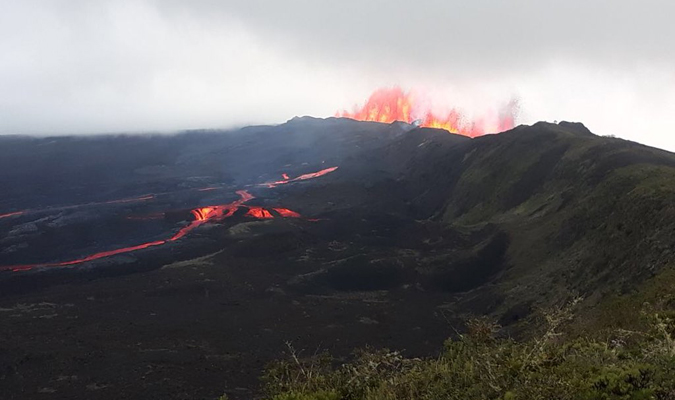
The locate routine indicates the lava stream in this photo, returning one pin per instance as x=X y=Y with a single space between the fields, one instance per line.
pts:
x=300 y=178
x=262 y=213
x=259 y=212
x=12 y=214
x=201 y=215
x=205 y=214
x=286 y=213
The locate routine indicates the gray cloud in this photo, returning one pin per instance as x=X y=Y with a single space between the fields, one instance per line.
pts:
x=458 y=35
x=95 y=66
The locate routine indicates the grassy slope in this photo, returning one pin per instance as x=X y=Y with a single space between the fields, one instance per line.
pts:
x=585 y=215
x=477 y=366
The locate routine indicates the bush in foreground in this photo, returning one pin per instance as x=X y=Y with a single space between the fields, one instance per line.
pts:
x=478 y=365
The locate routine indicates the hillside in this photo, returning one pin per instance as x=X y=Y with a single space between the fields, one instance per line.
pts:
x=584 y=215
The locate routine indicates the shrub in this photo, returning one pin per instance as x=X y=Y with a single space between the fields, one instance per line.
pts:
x=479 y=365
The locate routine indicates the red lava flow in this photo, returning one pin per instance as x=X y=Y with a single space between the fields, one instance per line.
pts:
x=11 y=214
x=205 y=214
x=259 y=212
x=286 y=213
x=201 y=216
x=300 y=178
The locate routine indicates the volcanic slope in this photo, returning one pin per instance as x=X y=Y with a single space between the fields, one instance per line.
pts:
x=583 y=215
x=415 y=229
x=539 y=214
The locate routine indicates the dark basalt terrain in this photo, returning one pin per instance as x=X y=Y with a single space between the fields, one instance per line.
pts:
x=416 y=229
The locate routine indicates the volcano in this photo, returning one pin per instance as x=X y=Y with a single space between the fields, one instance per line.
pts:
x=177 y=266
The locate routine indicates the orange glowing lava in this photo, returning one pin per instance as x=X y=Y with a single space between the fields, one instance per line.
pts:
x=301 y=177
x=205 y=214
x=285 y=176
x=259 y=212
x=201 y=215
x=314 y=174
x=387 y=105
x=11 y=214
x=286 y=213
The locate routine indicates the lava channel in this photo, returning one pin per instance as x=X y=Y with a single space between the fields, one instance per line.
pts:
x=286 y=213
x=12 y=214
x=300 y=178
x=201 y=215
x=259 y=212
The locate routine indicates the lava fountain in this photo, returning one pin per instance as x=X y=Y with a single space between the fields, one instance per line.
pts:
x=387 y=105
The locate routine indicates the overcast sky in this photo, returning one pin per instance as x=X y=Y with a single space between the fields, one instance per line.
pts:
x=88 y=66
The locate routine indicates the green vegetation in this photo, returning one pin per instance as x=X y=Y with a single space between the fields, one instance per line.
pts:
x=481 y=365
x=583 y=215
x=627 y=312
